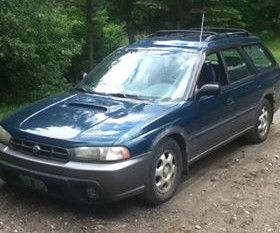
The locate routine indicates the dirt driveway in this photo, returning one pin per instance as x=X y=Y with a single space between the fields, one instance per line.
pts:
x=234 y=190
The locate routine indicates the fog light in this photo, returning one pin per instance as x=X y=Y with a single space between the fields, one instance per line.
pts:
x=92 y=192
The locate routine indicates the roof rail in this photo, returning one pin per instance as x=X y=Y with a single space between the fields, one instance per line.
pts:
x=177 y=32
x=225 y=33
x=209 y=34
x=222 y=30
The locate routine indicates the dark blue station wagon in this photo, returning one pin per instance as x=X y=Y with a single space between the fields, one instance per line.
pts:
x=142 y=116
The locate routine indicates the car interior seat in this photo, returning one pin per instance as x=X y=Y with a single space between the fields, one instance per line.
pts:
x=208 y=75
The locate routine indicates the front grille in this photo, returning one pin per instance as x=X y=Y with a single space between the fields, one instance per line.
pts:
x=39 y=150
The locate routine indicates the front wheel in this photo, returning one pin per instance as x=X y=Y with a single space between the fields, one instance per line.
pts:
x=264 y=118
x=165 y=173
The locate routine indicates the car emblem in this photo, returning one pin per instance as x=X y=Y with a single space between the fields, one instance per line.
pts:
x=36 y=149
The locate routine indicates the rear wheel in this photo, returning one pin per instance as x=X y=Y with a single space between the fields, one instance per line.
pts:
x=165 y=173
x=262 y=126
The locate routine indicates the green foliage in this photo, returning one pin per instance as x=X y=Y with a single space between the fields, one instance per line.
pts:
x=37 y=47
x=261 y=16
x=223 y=14
x=44 y=45
x=109 y=35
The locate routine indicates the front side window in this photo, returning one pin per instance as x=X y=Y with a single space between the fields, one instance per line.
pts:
x=259 y=57
x=151 y=74
x=237 y=67
x=212 y=71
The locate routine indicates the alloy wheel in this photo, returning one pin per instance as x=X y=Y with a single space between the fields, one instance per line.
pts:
x=263 y=122
x=165 y=172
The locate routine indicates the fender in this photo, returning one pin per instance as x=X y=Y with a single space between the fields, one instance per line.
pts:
x=167 y=132
x=269 y=91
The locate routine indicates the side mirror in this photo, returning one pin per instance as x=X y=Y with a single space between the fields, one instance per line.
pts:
x=209 y=90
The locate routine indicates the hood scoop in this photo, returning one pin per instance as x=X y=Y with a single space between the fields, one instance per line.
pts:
x=93 y=107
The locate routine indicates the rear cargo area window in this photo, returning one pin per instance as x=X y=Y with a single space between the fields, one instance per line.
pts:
x=259 y=57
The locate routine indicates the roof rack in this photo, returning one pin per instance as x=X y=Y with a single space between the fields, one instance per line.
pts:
x=209 y=34
x=182 y=33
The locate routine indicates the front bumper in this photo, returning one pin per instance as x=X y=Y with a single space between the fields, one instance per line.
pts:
x=112 y=181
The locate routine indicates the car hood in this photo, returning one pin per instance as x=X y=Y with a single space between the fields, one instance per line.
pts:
x=83 y=117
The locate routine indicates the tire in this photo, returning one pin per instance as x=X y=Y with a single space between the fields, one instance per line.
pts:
x=165 y=173
x=263 y=122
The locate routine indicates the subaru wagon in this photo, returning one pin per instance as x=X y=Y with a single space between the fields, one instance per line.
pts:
x=142 y=116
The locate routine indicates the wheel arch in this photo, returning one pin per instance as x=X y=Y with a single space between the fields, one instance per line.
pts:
x=270 y=98
x=180 y=136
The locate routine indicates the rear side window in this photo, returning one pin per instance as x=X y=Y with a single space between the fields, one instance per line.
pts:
x=237 y=67
x=259 y=56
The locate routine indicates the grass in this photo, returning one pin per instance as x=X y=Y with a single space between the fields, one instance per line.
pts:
x=274 y=45
x=7 y=109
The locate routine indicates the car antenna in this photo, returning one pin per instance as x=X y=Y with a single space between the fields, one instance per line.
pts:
x=202 y=29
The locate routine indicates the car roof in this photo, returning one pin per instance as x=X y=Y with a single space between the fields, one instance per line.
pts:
x=211 y=39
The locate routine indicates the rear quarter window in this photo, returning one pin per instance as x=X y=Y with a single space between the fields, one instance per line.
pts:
x=260 y=57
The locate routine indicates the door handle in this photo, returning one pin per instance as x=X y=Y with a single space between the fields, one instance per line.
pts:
x=230 y=101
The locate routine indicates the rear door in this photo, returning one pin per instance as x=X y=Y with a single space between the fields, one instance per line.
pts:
x=245 y=88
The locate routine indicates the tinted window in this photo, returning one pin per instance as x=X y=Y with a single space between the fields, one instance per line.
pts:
x=259 y=57
x=237 y=67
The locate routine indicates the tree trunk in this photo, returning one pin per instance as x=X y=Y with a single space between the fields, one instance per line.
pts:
x=90 y=29
x=130 y=31
x=130 y=27
x=180 y=14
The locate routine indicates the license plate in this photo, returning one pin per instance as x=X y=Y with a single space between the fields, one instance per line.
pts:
x=34 y=184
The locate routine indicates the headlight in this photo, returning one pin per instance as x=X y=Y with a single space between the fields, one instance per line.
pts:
x=5 y=137
x=90 y=154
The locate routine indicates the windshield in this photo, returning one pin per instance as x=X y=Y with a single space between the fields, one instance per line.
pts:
x=148 y=74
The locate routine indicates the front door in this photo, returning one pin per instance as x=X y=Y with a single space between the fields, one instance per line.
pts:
x=212 y=116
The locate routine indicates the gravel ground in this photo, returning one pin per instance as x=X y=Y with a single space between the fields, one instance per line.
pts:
x=235 y=189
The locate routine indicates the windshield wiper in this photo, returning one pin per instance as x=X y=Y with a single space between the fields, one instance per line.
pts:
x=122 y=95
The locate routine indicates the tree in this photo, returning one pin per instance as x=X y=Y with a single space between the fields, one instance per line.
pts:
x=124 y=11
x=223 y=14
x=37 y=45
x=261 y=16
x=46 y=44
x=90 y=31
x=88 y=9
x=105 y=37
x=139 y=15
